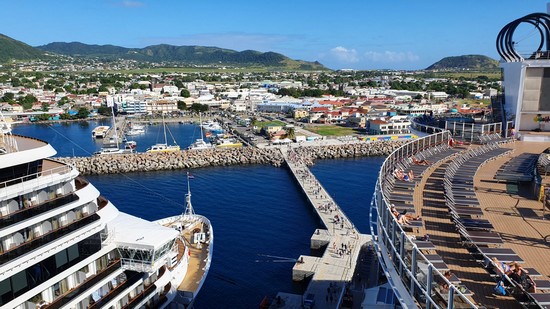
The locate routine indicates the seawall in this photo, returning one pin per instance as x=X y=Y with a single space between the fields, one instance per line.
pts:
x=192 y=159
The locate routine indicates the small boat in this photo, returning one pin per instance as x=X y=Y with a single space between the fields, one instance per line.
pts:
x=134 y=131
x=228 y=142
x=197 y=234
x=164 y=147
x=100 y=131
x=200 y=143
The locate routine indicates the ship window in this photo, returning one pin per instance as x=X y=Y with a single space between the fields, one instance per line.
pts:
x=61 y=258
x=5 y=291
x=73 y=252
x=19 y=281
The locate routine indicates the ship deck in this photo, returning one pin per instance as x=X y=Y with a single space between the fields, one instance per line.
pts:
x=197 y=263
x=513 y=210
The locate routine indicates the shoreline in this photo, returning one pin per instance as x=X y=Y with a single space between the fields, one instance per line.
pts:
x=192 y=159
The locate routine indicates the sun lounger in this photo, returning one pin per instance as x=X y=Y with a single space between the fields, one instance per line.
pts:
x=542 y=284
x=541 y=299
x=462 y=211
x=477 y=224
x=424 y=245
x=505 y=258
x=496 y=251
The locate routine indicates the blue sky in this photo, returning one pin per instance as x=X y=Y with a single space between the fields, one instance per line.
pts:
x=355 y=34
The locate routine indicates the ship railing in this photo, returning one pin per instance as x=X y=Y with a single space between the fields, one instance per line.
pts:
x=40 y=179
x=136 y=265
x=418 y=277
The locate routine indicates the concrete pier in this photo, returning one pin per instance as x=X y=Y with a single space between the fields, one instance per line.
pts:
x=334 y=270
x=120 y=127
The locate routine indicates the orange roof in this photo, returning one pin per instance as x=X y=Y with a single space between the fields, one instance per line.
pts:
x=377 y=121
x=320 y=109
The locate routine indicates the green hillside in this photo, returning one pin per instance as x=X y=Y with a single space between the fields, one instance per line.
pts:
x=11 y=49
x=191 y=55
x=468 y=62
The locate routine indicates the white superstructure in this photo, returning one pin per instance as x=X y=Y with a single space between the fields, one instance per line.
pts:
x=63 y=245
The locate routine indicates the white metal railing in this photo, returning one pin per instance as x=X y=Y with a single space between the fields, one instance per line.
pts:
x=36 y=181
x=402 y=255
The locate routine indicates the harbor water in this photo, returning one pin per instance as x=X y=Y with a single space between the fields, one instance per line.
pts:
x=261 y=220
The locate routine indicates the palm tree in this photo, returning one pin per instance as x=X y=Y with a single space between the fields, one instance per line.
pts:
x=291 y=133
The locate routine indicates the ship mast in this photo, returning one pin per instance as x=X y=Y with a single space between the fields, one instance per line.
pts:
x=189 y=211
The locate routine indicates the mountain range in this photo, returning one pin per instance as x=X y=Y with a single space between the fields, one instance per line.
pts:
x=11 y=49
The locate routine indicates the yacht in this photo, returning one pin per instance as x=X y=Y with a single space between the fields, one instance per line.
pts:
x=228 y=142
x=200 y=143
x=100 y=131
x=164 y=147
x=198 y=234
x=64 y=245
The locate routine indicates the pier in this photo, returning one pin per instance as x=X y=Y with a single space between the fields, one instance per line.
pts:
x=334 y=271
x=120 y=123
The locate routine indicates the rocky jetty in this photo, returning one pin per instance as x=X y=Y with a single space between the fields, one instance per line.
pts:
x=192 y=159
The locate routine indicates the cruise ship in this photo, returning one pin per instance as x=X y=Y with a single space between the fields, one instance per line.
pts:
x=64 y=245
x=471 y=228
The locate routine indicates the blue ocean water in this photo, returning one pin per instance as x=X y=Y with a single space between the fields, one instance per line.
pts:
x=260 y=217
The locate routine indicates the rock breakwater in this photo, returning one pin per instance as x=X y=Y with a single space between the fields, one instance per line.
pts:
x=192 y=159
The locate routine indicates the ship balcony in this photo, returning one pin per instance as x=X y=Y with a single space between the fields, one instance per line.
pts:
x=32 y=211
x=138 y=300
x=51 y=174
x=131 y=279
x=87 y=284
x=44 y=239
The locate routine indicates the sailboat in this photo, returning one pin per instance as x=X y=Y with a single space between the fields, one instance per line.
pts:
x=198 y=235
x=164 y=147
x=113 y=145
x=200 y=143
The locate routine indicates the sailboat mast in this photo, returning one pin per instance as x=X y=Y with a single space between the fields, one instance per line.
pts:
x=164 y=126
x=114 y=124
x=200 y=125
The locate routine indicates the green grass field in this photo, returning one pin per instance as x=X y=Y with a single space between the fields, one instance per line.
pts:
x=267 y=123
x=331 y=130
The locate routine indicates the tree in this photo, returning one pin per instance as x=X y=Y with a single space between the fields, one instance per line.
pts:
x=45 y=107
x=291 y=133
x=8 y=97
x=83 y=113
x=103 y=110
x=185 y=93
x=182 y=105
x=197 y=107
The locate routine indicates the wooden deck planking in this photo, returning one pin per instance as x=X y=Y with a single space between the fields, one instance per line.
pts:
x=429 y=201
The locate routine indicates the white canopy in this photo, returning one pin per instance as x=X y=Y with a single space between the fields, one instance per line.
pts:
x=136 y=233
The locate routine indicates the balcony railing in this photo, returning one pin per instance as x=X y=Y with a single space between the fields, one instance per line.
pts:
x=141 y=296
x=132 y=277
x=26 y=213
x=42 y=240
x=40 y=179
x=77 y=291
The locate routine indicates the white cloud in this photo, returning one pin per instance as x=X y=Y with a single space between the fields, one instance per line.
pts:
x=344 y=55
x=390 y=56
